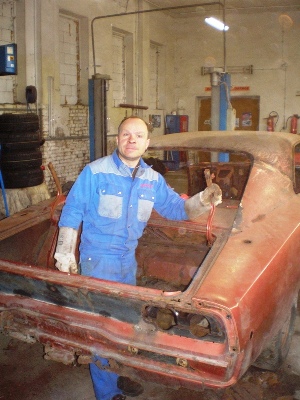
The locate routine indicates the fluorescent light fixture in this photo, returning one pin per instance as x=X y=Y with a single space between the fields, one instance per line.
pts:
x=215 y=23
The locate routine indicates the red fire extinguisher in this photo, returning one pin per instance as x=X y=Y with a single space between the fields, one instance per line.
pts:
x=294 y=123
x=271 y=122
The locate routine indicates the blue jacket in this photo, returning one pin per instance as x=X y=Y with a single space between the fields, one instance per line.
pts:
x=115 y=208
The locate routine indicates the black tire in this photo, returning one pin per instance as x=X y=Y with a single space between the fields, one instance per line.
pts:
x=274 y=355
x=19 y=127
x=19 y=137
x=23 y=145
x=16 y=123
x=21 y=179
x=21 y=159
x=16 y=118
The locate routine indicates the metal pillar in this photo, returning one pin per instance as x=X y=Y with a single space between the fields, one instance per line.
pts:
x=98 y=116
x=215 y=107
x=3 y=191
x=225 y=84
x=215 y=101
x=220 y=101
x=224 y=106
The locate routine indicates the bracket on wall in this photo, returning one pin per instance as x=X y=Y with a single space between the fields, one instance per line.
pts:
x=247 y=69
x=133 y=107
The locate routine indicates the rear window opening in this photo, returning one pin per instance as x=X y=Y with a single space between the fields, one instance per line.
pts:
x=170 y=253
x=185 y=171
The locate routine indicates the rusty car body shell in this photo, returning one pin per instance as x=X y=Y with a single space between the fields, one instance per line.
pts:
x=248 y=279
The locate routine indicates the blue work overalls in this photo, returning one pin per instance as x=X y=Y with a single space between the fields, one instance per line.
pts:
x=114 y=209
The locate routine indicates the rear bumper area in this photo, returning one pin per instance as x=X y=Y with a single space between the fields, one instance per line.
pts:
x=73 y=336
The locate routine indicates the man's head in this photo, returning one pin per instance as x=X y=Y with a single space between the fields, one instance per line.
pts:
x=132 y=140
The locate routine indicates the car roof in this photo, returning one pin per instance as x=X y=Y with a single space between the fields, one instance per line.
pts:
x=273 y=148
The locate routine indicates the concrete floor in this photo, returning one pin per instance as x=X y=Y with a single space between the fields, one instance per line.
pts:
x=25 y=375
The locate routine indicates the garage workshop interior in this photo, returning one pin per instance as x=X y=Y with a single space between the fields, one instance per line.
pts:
x=217 y=83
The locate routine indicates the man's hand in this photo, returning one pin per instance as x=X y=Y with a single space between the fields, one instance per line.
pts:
x=66 y=263
x=201 y=202
x=65 y=250
x=211 y=195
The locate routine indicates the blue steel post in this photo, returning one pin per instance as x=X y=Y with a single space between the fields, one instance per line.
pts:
x=224 y=97
x=3 y=191
x=225 y=84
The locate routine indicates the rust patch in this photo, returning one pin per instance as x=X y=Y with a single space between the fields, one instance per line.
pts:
x=259 y=218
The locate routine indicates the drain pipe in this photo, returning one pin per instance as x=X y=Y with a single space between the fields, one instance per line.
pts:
x=142 y=12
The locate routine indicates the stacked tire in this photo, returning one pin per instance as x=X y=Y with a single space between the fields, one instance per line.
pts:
x=21 y=157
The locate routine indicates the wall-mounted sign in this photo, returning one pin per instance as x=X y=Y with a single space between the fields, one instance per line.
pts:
x=155 y=120
x=247 y=119
x=240 y=88
x=232 y=89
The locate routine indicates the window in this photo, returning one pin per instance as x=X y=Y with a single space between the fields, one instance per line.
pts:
x=122 y=70
x=69 y=60
x=154 y=75
x=119 y=69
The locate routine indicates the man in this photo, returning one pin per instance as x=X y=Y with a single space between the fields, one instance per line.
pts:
x=113 y=198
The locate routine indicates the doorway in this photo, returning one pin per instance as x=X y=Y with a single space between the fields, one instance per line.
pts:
x=247 y=113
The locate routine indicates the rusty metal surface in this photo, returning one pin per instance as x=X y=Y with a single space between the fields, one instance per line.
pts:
x=242 y=286
x=82 y=334
x=272 y=148
x=25 y=219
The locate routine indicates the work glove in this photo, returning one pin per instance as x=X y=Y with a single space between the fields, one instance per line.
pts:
x=201 y=202
x=65 y=250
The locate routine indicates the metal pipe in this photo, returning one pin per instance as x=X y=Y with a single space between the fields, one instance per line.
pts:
x=50 y=87
x=224 y=37
x=142 y=12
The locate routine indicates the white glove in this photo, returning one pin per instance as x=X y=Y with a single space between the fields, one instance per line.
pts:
x=201 y=202
x=211 y=195
x=65 y=250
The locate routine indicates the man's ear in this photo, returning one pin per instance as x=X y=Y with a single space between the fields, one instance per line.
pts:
x=117 y=140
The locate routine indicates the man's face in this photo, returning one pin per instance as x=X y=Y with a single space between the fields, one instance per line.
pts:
x=132 y=141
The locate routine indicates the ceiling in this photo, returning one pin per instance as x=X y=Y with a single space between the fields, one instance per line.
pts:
x=231 y=6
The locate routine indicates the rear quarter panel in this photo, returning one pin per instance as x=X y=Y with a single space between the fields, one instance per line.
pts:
x=256 y=275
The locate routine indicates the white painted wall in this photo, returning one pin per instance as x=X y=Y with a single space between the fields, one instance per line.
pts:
x=254 y=39
x=263 y=39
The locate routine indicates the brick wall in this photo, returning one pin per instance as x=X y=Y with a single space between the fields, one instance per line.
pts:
x=68 y=157
x=69 y=59
x=68 y=153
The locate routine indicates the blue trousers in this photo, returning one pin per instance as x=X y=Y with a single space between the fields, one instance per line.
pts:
x=118 y=269
x=104 y=382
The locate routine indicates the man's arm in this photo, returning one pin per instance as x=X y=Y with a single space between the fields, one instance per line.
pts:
x=70 y=220
x=170 y=205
